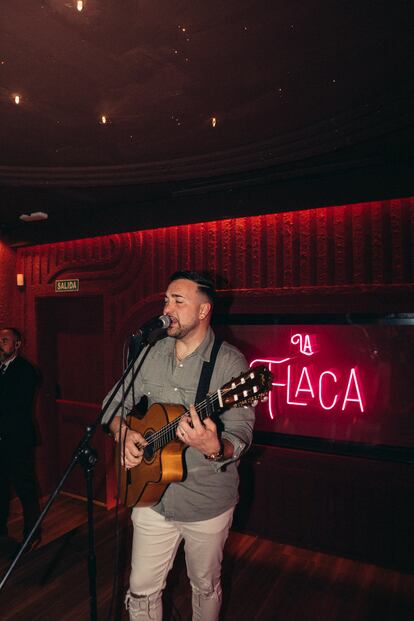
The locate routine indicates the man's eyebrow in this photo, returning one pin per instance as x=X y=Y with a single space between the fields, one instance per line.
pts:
x=175 y=295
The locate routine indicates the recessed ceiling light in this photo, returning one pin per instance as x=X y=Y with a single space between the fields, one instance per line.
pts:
x=34 y=216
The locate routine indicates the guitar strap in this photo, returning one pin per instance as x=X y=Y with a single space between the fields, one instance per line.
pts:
x=207 y=372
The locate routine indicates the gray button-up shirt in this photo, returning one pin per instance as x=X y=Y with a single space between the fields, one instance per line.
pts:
x=210 y=488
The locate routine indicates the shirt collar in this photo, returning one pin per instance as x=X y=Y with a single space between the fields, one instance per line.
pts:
x=6 y=364
x=204 y=349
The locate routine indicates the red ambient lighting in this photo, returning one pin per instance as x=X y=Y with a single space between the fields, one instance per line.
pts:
x=300 y=382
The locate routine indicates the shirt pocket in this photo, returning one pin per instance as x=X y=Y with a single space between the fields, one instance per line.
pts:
x=184 y=395
x=154 y=391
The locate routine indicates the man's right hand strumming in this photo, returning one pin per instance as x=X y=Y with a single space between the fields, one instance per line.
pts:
x=133 y=444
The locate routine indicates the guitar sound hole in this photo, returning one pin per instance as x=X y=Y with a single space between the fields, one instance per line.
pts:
x=149 y=449
x=149 y=453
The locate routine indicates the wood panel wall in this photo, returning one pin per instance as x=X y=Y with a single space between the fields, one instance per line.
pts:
x=353 y=507
x=7 y=285
x=355 y=255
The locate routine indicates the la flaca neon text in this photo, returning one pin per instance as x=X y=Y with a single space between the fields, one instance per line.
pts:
x=300 y=382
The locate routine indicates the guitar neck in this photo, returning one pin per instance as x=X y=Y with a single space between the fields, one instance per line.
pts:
x=167 y=433
x=247 y=388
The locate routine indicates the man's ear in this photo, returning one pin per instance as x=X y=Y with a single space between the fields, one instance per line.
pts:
x=205 y=308
x=17 y=344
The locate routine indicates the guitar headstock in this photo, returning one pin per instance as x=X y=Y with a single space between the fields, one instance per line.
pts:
x=248 y=388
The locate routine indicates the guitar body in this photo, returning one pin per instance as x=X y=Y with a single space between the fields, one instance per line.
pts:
x=145 y=484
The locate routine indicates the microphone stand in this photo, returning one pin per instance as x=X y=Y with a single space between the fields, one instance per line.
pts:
x=85 y=455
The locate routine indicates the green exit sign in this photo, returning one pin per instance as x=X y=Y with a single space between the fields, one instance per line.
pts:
x=70 y=284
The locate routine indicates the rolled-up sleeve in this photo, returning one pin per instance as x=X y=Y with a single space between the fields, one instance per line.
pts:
x=238 y=422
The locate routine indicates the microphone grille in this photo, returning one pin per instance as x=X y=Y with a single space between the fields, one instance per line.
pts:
x=165 y=320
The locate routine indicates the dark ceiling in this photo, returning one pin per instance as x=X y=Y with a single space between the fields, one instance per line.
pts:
x=292 y=101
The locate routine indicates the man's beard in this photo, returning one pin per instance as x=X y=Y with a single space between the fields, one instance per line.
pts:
x=4 y=356
x=182 y=331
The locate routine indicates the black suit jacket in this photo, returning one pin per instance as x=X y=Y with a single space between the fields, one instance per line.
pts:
x=17 y=390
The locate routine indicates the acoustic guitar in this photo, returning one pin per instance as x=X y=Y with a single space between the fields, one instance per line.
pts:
x=163 y=460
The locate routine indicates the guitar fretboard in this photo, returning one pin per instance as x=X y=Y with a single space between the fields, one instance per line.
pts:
x=167 y=433
x=244 y=389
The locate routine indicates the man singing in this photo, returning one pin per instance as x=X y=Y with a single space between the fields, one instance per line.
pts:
x=198 y=510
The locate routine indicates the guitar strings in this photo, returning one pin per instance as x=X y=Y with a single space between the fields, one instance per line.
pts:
x=167 y=432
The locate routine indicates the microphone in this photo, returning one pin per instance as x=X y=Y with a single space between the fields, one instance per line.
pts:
x=153 y=328
x=148 y=334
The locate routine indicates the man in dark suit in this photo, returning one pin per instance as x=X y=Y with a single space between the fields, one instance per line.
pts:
x=18 y=383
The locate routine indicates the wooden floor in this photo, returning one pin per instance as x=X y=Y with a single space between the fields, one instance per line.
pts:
x=262 y=580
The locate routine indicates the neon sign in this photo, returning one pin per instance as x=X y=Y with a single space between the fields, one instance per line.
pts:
x=304 y=384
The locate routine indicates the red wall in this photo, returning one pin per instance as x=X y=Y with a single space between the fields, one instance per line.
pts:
x=7 y=285
x=350 y=258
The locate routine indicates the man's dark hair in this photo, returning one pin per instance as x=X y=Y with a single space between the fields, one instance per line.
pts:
x=202 y=279
x=16 y=333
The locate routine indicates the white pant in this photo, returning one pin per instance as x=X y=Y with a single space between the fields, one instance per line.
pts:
x=155 y=544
